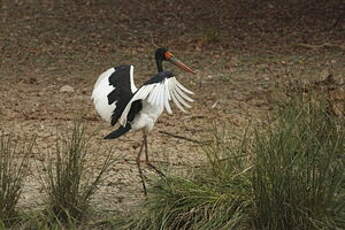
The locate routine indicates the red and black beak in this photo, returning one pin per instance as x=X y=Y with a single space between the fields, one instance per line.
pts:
x=171 y=58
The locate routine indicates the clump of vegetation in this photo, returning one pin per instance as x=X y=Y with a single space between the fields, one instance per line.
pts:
x=12 y=174
x=68 y=181
x=218 y=195
x=299 y=175
x=290 y=175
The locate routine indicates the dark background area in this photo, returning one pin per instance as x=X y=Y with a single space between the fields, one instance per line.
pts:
x=88 y=31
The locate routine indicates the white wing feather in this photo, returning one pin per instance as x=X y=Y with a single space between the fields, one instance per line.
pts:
x=183 y=88
x=181 y=100
x=141 y=94
x=133 y=87
x=183 y=95
x=160 y=98
x=177 y=103
x=99 y=95
x=160 y=94
x=167 y=98
x=172 y=88
x=153 y=95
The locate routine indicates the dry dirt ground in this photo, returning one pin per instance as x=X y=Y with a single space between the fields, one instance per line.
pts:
x=245 y=52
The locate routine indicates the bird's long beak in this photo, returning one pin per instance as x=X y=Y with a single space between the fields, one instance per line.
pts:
x=170 y=57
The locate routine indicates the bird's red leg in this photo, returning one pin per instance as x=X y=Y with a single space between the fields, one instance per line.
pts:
x=139 y=168
x=147 y=158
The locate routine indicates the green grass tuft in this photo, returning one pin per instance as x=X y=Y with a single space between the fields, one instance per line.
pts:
x=216 y=196
x=299 y=176
x=68 y=181
x=12 y=174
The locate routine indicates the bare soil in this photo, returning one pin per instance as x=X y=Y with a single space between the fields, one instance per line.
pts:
x=246 y=53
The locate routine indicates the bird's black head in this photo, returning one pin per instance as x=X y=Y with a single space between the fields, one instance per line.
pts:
x=160 y=54
x=163 y=54
x=160 y=57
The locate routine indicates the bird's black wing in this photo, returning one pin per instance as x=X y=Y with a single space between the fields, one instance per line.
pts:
x=135 y=109
x=158 y=78
x=118 y=132
x=124 y=88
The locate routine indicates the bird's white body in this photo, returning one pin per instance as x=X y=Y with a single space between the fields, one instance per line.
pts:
x=146 y=118
x=100 y=93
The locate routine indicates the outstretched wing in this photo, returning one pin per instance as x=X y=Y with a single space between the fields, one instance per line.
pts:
x=159 y=91
x=112 y=92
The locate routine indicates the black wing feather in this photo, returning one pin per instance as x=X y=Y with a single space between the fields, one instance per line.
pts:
x=159 y=77
x=122 y=93
x=118 y=132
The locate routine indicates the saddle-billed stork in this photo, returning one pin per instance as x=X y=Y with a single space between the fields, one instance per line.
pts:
x=117 y=99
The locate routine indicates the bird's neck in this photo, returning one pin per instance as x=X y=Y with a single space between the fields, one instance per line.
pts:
x=159 y=66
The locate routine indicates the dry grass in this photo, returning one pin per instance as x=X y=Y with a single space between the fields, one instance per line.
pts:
x=12 y=174
x=69 y=181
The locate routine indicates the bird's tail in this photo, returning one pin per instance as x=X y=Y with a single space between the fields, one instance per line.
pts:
x=119 y=132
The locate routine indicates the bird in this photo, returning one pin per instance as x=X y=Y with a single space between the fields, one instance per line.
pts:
x=118 y=101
